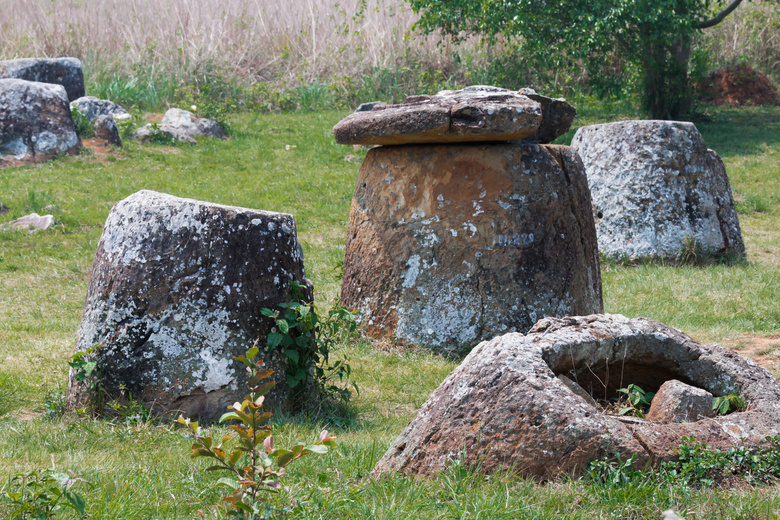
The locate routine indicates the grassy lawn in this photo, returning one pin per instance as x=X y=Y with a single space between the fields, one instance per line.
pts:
x=290 y=163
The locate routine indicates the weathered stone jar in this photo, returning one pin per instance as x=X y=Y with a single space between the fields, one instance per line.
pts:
x=175 y=294
x=452 y=243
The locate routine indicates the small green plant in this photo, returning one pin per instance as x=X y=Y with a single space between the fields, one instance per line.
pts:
x=308 y=340
x=613 y=472
x=638 y=401
x=40 y=494
x=253 y=464
x=54 y=404
x=727 y=404
x=84 y=372
x=83 y=125
x=157 y=136
x=697 y=465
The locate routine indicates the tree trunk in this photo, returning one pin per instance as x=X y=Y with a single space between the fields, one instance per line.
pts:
x=667 y=88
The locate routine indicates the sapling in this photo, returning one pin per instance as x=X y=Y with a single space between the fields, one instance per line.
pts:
x=254 y=465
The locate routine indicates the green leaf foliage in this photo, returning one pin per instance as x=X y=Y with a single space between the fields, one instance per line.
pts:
x=308 y=340
x=253 y=465
x=609 y=36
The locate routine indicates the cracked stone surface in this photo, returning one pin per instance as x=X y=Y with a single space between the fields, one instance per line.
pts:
x=504 y=407
x=449 y=245
x=655 y=188
x=477 y=113
x=35 y=122
x=67 y=72
x=174 y=295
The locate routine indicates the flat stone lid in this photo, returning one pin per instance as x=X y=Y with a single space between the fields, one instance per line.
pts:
x=476 y=113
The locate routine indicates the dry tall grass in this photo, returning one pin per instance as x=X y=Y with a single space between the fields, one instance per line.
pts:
x=349 y=50
x=294 y=39
x=751 y=35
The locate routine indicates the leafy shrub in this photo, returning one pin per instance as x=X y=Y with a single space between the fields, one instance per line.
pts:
x=308 y=340
x=39 y=494
x=254 y=465
x=83 y=125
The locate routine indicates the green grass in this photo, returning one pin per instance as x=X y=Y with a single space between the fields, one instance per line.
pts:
x=143 y=471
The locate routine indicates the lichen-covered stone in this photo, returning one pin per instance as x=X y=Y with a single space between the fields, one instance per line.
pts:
x=174 y=295
x=504 y=407
x=477 y=113
x=449 y=245
x=67 y=72
x=35 y=122
x=677 y=402
x=181 y=125
x=92 y=107
x=657 y=190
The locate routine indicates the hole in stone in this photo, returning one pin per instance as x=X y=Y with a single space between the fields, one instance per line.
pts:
x=603 y=382
x=601 y=372
x=600 y=214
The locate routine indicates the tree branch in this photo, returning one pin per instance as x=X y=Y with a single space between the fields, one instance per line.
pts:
x=721 y=16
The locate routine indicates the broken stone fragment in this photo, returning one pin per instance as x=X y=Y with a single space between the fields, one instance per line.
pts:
x=449 y=245
x=677 y=402
x=92 y=107
x=106 y=129
x=365 y=107
x=35 y=122
x=67 y=72
x=557 y=117
x=658 y=192
x=181 y=125
x=476 y=113
x=505 y=404
x=174 y=296
x=32 y=223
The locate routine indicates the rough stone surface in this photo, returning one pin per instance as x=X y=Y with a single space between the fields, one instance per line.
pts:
x=677 y=402
x=557 y=116
x=35 y=122
x=67 y=72
x=656 y=188
x=182 y=125
x=504 y=407
x=477 y=113
x=106 y=129
x=451 y=244
x=175 y=293
x=92 y=107
x=32 y=223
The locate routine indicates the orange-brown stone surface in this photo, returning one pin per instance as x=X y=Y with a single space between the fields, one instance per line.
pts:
x=452 y=244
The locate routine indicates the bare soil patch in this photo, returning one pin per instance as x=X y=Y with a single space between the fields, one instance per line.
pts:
x=101 y=150
x=738 y=85
x=763 y=350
